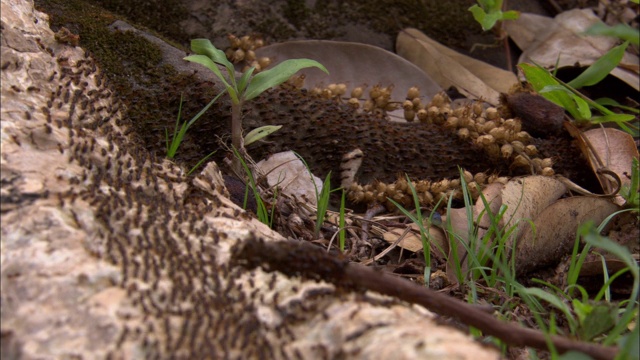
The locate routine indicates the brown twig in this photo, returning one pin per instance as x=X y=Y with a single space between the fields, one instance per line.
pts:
x=311 y=262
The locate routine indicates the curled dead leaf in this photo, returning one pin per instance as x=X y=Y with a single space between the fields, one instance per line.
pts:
x=526 y=197
x=554 y=231
x=474 y=78
x=610 y=149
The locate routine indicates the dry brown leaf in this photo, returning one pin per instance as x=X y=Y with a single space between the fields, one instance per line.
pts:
x=412 y=241
x=354 y=64
x=472 y=77
x=614 y=149
x=288 y=172
x=526 y=197
x=546 y=41
x=593 y=266
x=555 y=230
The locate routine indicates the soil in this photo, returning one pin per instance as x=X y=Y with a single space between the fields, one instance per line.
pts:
x=371 y=22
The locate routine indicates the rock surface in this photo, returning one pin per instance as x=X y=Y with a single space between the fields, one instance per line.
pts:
x=110 y=251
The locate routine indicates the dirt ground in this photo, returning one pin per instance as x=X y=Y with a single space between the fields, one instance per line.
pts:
x=371 y=22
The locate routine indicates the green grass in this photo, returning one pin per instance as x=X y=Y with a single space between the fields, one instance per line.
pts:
x=596 y=318
x=263 y=213
x=419 y=220
x=178 y=134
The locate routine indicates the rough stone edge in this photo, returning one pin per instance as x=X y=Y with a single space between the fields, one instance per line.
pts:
x=66 y=303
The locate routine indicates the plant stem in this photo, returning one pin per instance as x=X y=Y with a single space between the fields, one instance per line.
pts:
x=236 y=126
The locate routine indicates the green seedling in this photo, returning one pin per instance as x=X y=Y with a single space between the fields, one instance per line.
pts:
x=589 y=319
x=178 y=134
x=259 y=133
x=620 y=31
x=631 y=192
x=246 y=87
x=488 y=12
x=566 y=96
x=423 y=225
x=322 y=197
x=263 y=214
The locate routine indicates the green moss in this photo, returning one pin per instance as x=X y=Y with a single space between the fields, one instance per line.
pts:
x=163 y=16
x=133 y=66
x=447 y=21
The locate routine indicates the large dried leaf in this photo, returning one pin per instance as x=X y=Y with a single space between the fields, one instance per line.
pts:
x=413 y=242
x=555 y=230
x=472 y=77
x=546 y=41
x=614 y=150
x=354 y=64
x=526 y=197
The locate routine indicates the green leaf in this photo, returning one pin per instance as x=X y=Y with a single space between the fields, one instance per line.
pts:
x=574 y=355
x=555 y=302
x=620 y=31
x=277 y=75
x=205 y=47
x=510 y=15
x=490 y=12
x=210 y=64
x=597 y=320
x=544 y=83
x=259 y=133
x=617 y=118
x=581 y=309
x=540 y=78
x=605 y=101
x=244 y=80
x=479 y=14
x=600 y=68
x=491 y=5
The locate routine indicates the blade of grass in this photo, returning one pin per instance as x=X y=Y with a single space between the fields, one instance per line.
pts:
x=341 y=224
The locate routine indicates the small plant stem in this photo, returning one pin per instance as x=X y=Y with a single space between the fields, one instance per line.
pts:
x=236 y=126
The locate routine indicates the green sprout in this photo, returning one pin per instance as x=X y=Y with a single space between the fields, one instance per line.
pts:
x=246 y=87
x=488 y=12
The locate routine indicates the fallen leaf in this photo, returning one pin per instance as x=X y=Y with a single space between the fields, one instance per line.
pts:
x=554 y=230
x=561 y=41
x=615 y=150
x=288 y=172
x=413 y=242
x=354 y=64
x=526 y=197
x=473 y=78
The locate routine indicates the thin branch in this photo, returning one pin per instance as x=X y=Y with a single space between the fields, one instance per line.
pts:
x=311 y=262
